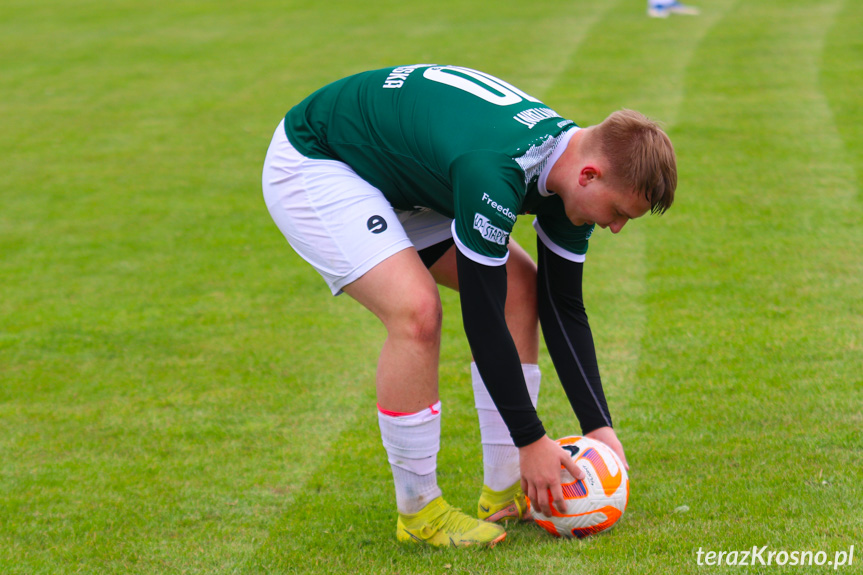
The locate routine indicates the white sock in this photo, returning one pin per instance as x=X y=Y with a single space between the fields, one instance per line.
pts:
x=412 y=442
x=499 y=454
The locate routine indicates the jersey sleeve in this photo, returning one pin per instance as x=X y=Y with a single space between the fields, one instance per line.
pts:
x=559 y=234
x=487 y=190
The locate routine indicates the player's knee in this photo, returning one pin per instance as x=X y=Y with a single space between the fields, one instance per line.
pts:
x=421 y=318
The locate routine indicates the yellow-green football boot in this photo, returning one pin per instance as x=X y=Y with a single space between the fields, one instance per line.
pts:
x=441 y=524
x=504 y=505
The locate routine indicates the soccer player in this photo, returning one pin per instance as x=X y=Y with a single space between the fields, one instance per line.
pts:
x=665 y=8
x=393 y=180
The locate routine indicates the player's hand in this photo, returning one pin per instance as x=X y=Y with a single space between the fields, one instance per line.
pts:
x=608 y=437
x=540 y=473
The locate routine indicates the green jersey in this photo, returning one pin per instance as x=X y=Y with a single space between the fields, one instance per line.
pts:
x=451 y=139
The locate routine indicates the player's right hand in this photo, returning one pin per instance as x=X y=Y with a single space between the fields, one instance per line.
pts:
x=540 y=473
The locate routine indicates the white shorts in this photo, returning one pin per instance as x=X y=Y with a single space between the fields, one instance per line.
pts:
x=337 y=221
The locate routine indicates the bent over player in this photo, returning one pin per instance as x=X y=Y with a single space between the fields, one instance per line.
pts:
x=393 y=180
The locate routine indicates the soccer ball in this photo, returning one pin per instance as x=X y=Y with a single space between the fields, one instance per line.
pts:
x=593 y=504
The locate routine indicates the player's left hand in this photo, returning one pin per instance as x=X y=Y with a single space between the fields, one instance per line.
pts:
x=609 y=437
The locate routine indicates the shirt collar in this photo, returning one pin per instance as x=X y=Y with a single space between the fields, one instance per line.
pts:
x=555 y=156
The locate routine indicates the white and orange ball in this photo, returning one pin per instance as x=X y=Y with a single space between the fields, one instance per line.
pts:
x=594 y=503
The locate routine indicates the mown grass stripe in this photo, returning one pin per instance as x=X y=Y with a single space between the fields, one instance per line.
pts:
x=166 y=362
x=598 y=81
x=841 y=80
x=747 y=348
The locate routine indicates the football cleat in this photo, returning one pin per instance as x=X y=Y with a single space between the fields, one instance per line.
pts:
x=504 y=505
x=443 y=525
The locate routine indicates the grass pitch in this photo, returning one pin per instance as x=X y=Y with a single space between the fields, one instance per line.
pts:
x=180 y=394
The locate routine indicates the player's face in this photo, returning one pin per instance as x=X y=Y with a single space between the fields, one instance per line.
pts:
x=605 y=206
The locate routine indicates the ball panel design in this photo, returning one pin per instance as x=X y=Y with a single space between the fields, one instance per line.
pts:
x=595 y=503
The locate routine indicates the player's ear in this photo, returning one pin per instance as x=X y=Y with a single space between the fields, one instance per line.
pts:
x=588 y=173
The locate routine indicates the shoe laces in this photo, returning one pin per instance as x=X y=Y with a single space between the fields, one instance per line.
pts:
x=452 y=520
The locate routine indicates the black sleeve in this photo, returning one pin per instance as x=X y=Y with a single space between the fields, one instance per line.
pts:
x=568 y=337
x=482 y=291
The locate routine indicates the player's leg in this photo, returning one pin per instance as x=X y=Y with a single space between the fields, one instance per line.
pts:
x=403 y=295
x=665 y=8
x=501 y=497
x=349 y=232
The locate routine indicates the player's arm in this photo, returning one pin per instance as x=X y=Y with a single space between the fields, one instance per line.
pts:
x=487 y=187
x=482 y=290
x=486 y=199
x=569 y=340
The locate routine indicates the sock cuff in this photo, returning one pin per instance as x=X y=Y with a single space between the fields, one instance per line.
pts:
x=410 y=419
x=412 y=441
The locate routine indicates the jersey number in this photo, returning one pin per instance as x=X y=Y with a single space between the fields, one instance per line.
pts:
x=479 y=84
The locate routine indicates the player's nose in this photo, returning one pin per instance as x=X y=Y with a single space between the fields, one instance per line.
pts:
x=617 y=225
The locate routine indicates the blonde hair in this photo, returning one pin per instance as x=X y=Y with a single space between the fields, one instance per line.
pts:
x=641 y=156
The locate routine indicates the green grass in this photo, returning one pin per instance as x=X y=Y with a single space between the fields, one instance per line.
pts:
x=180 y=394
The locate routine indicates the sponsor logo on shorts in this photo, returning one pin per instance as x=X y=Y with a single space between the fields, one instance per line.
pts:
x=376 y=224
x=489 y=232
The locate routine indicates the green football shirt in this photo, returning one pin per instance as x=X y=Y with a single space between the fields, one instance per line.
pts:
x=458 y=141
